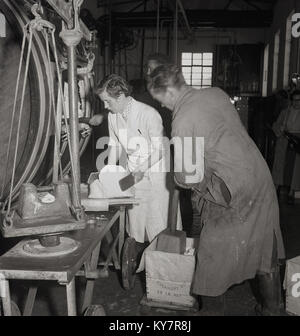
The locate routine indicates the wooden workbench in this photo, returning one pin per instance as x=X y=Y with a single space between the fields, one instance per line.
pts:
x=15 y=264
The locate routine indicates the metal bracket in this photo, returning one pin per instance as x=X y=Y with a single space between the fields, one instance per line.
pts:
x=88 y=69
x=38 y=22
x=66 y=12
x=83 y=71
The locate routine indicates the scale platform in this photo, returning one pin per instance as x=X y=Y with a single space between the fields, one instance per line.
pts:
x=40 y=226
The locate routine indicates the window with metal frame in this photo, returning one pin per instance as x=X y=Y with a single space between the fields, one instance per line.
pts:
x=197 y=69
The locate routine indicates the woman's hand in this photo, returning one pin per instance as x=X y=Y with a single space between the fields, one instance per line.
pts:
x=96 y=120
x=138 y=175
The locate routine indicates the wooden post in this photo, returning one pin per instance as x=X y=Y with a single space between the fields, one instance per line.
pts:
x=30 y=301
x=89 y=288
x=121 y=229
x=71 y=298
x=5 y=295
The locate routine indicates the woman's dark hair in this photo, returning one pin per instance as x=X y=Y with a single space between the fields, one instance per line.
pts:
x=167 y=75
x=114 y=85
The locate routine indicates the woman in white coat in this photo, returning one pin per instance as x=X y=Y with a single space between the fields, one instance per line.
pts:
x=137 y=128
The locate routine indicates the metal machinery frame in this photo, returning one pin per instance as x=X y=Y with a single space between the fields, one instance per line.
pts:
x=84 y=261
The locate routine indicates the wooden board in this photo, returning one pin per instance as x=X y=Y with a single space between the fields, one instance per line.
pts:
x=102 y=204
x=41 y=226
x=15 y=265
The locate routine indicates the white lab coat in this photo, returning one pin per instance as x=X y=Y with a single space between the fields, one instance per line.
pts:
x=138 y=136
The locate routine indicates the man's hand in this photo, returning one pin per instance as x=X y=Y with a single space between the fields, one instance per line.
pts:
x=96 y=120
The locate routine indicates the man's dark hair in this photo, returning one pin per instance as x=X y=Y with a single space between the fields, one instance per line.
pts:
x=159 y=58
x=167 y=75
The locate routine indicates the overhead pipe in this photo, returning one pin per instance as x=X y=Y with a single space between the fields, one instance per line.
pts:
x=143 y=45
x=179 y=3
x=175 y=39
x=198 y=18
x=157 y=25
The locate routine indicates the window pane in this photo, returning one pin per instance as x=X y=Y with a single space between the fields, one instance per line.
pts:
x=187 y=79
x=197 y=56
x=187 y=75
x=186 y=62
x=197 y=59
x=186 y=56
x=207 y=69
x=196 y=87
x=207 y=56
x=197 y=69
x=197 y=62
x=207 y=62
x=197 y=76
x=196 y=81
x=206 y=82
x=206 y=75
x=186 y=69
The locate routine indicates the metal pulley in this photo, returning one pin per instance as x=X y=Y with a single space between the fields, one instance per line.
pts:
x=129 y=263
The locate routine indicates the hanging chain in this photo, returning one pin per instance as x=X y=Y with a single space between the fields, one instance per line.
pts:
x=57 y=155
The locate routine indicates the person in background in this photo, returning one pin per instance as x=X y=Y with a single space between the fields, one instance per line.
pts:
x=241 y=237
x=132 y=124
x=286 y=167
x=141 y=93
x=155 y=60
x=180 y=195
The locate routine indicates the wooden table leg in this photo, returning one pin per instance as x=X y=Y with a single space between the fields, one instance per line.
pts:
x=112 y=254
x=30 y=301
x=71 y=298
x=122 y=229
x=91 y=282
x=5 y=295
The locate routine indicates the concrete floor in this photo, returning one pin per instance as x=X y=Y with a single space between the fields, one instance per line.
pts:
x=239 y=300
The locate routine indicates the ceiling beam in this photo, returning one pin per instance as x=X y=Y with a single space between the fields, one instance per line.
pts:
x=184 y=22
x=199 y=18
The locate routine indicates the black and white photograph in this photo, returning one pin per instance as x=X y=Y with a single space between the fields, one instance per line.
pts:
x=149 y=161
